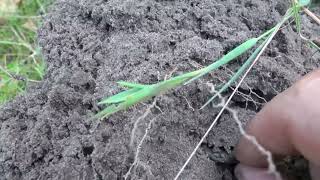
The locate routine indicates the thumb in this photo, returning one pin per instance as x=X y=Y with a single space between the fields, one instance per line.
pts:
x=243 y=172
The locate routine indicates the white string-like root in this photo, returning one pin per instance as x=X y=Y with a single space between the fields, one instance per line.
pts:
x=135 y=126
x=250 y=89
x=272 y=167
x=248 y=96
x=136 y=158
x=136 y=123
x=189 y=104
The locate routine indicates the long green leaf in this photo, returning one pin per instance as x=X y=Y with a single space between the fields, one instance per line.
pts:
x=107 y=111
x=250 y=60
x=131 y=85
x=228 y=57
x=237 y=74
x=120 y=97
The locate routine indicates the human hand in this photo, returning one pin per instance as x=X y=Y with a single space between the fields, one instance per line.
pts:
x=288 y=125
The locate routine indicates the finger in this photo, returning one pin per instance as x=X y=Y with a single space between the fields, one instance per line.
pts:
x=243 y=172
x=288 y=124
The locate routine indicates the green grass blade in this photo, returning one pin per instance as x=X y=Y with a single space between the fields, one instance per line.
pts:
x=40 y=70
x=228 y=57
x=237 y=74
x=107 y=112
x=249 y=61
x=120 y=97
x=267 y=33
x=296 y=12
x=12 y=43
x=126 y=99
x=314 y=45
x=131 y=85
x=177 y=81
x=139 y=96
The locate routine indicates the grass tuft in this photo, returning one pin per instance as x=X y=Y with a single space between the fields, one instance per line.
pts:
x=137 y=93
x=20 y=59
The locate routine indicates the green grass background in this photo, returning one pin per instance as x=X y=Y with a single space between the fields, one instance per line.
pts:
x=21 y=61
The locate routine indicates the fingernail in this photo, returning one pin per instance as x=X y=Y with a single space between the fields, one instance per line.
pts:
x=243 y=172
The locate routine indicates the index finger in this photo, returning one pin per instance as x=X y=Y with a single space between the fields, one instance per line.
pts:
x=288 y=125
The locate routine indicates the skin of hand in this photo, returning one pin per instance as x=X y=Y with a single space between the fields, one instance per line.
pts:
x=288 y=125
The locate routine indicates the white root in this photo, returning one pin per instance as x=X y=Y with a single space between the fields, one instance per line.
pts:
x=133 y=134
x=138 y=150
x=139 y=119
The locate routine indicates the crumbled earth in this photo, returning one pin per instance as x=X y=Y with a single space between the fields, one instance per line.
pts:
x=49 y=132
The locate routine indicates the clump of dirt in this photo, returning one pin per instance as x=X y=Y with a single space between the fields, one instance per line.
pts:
x=48 y=133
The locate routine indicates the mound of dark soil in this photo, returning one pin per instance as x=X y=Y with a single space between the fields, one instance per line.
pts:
x=89 y=45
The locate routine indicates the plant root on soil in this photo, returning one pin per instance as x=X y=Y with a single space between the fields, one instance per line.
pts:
x=224 y=105
x=139 y=146
x=137 y=121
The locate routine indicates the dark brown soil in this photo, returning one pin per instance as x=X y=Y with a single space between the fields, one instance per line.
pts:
x=48 y=133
